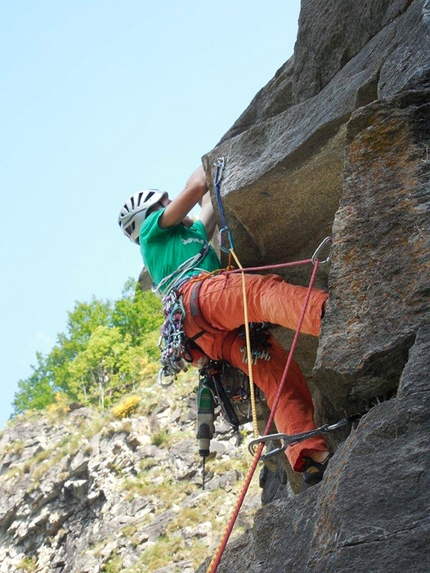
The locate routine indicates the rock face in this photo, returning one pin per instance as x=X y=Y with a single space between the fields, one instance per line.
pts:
x=336 y=144
x=85 y=493
x=379 y=275
x=371 y=511
x=285 y=154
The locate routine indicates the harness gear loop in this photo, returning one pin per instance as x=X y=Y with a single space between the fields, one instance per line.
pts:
x=173 y=342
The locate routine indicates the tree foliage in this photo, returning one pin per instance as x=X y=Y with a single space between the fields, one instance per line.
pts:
x=37 y=391
x=107 y=350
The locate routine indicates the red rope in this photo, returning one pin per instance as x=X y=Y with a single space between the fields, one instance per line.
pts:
x=266 y=267
x=293 y=347
x=226 y=535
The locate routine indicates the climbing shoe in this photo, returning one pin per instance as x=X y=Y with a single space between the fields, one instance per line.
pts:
x=313 y=471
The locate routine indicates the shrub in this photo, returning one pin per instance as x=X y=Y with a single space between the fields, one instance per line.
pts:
x=159 y=438
x=28 y=564
x=126 y=407
x=61 y=404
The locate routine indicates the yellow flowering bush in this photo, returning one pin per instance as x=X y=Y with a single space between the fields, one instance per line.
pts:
x=126 y=407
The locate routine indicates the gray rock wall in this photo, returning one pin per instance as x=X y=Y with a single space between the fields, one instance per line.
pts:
x=338 y=144
x=371 y=512
x=379 y=275
x=285 y=155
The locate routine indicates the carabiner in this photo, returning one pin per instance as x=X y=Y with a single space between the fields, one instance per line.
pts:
x=220 y=166
x=160 y=379
x=252 y=446
x=229 y=240
x=319 y=249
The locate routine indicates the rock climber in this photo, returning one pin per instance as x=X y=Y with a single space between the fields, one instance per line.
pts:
x=175 y=248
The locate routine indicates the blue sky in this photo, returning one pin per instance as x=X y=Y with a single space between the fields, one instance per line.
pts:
x=97 y=100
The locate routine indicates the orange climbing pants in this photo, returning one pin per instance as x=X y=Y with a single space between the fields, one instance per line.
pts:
x=269 y=299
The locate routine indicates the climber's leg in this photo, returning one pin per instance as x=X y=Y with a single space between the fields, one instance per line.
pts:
x=294 y=413
x=269 y=299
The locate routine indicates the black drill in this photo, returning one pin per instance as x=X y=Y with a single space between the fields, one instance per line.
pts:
x=205 y=421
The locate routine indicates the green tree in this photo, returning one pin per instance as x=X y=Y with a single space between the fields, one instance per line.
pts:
x=98 y=373
x=137 y=313
x=82 y=322
x=37 y=391
x=106 y=351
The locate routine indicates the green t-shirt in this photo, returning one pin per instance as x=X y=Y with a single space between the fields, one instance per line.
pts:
x=164 y=250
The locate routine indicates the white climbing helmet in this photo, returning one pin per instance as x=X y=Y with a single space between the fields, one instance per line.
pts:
x=135 y=210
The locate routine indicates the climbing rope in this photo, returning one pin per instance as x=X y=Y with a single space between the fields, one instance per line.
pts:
x=220 y=166
x=248 y=349
x=259 y=445
x=226 y=534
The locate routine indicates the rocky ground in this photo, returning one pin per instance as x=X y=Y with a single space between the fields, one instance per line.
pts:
x=85 y=492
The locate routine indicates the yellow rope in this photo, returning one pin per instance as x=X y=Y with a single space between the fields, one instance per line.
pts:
x=205 y=276
x=248 y=347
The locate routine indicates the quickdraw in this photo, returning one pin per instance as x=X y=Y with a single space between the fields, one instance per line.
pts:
x=173 y=342
x=225 y=245
x=288 y=440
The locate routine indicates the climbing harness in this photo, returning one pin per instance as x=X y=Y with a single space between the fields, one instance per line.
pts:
x=196 y=312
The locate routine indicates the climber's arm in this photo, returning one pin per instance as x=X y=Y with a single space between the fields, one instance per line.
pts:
x=193 y=193
x=207 y=215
